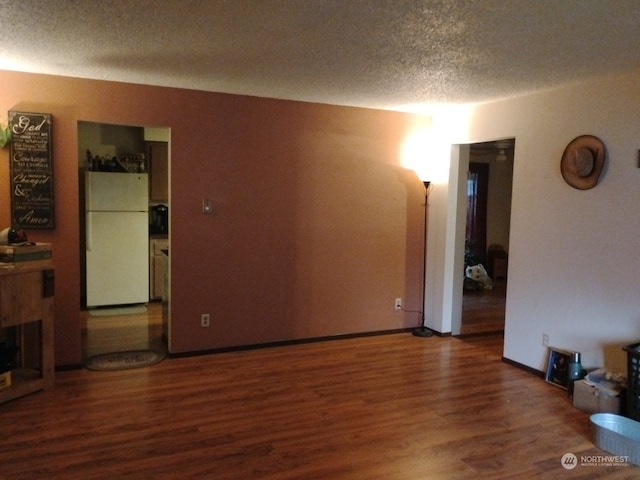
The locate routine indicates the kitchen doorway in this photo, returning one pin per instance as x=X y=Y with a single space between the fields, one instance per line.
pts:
x=488 y=217
x=116 y=154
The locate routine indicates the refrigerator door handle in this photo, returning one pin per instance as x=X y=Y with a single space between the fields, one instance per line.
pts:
x=89 y=232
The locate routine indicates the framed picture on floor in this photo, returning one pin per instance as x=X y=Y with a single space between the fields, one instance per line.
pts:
x=558 y=367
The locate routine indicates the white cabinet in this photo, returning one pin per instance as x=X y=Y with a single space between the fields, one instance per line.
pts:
x=157 y=265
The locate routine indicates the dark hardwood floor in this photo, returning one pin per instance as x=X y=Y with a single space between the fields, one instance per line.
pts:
x=382 y=407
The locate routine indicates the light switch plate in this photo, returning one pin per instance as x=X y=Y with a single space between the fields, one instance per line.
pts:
x=206 y=205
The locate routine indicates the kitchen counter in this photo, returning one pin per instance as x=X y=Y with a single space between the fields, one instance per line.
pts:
x=157 y=265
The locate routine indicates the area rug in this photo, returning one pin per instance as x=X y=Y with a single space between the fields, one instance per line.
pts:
x=124 y=360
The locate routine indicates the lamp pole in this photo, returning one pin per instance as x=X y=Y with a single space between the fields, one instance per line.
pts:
x=422 y=330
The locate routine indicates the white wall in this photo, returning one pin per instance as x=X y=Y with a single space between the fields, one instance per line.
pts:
x=574 y=261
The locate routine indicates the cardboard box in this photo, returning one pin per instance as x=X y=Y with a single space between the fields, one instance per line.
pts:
x=591 y=400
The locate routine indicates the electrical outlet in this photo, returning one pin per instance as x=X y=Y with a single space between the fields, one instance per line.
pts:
x=545 y=339
x=398 y=305
x=205 y=320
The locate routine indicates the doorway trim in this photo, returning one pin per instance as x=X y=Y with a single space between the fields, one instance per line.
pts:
x=459 y=220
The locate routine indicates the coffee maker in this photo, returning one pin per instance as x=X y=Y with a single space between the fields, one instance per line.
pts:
x=159 y=219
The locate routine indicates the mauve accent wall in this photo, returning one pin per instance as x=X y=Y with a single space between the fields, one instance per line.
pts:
x=316 y=226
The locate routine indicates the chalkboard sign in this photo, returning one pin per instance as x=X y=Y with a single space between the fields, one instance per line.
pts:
x=31 y=170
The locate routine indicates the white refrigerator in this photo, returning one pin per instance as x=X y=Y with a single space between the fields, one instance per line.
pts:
x=117 y=238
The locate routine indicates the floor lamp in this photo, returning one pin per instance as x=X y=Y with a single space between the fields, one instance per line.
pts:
x=422 y=330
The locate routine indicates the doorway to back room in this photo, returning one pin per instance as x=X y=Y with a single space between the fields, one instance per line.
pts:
x=487 y=225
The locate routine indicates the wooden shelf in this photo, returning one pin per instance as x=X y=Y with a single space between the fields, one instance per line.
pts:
x=23 y=382
x=26 y=305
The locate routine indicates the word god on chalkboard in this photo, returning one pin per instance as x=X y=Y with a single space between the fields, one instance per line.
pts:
x=31 y=170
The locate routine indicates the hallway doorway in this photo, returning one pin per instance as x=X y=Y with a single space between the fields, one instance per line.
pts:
x=488 y=217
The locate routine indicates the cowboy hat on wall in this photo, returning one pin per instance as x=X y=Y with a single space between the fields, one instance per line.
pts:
x=582 y=162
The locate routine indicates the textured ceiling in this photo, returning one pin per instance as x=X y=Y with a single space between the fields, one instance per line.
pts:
x=388 y=54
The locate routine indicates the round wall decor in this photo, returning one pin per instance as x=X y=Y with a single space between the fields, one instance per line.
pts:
x=582 y=162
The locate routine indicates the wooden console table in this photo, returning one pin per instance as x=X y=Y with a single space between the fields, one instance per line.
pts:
x=26 y=310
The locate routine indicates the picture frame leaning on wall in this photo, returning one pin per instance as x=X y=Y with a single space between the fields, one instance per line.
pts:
x=558 y=367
